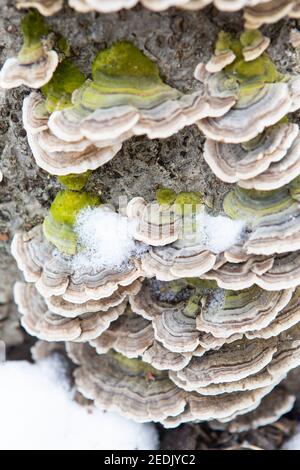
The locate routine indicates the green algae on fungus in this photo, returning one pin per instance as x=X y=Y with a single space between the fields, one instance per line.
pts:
x=263 y=95
x=126 y=96
x=123 y=74
x=249 y=73
x=67 y=204
x=252 y=74
x=184 y=202
x=199 y=283
x=125 y=62
x=35 y=64
x=194 y=284
x=187 y=203
x=294 y=188
x=273 y=219
x=62 y=236
x=249 y=37
x=165 y=196
x=75 y=182
x=63 y=45
x=58 y=225
x=193 y=306
x=58 y=92
x=134 y=365
x=33 y=27
x=224 y=42
x=250 y=204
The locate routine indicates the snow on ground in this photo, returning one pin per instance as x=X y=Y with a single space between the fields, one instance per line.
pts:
x=107 y=237
x=37 y=412
x=294 y=442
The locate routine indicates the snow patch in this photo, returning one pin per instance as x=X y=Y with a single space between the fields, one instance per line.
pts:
x=216 y=234
x=37 y=412
x=294 y=442
x=107 y=238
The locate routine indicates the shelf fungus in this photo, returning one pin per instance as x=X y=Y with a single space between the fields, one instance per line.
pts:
x=268 y=272
x=272 y=407
x=103 y=6
x=134 y=337
x=181 y=234
x=272 y=218
x=47 y=257
x=35 y=64
x=194 y=320
x=142 y=393
x=128 y=386
x=221 y=384
x=270 y=11
x=50 y=153
x=165 y=220
x=257 y=12
x=127 y=97
x=252 y=145
x=174 y=322
x=54 y=275
x=179 y=351
x=177 y=260
x=242 y=365
x=269 y=161
x=39 y=321
x=157 y=224
x=263 y=95
x=45 y=7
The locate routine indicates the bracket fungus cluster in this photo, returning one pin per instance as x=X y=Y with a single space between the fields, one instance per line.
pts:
x=127 y=97
x=45 y=7
x=59 y=301
x=165 y=364
x=78 y=124
x=269 y=253
x=253 y=144
x=174 y=351
x=36 y=62
x=160 y=5
x=257 y=11
x=183 y=326
x=270 y=11
x=51 y=153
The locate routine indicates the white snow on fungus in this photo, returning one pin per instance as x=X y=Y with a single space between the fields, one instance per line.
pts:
x=215 y=233
x=106 y=238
